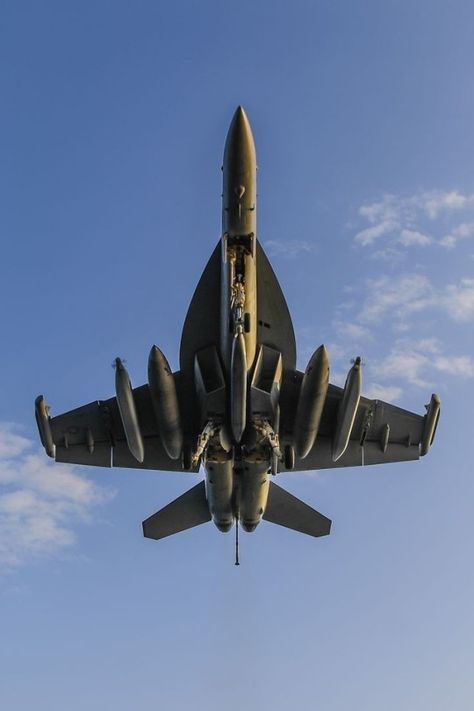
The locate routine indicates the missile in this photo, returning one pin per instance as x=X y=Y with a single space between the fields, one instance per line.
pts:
x=238 y=387
x=165 y=403
x=311 y=401
x=128 y=413
x=44 y=426
x=347 y=410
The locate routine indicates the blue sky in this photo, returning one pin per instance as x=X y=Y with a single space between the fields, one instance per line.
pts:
x=113 y=123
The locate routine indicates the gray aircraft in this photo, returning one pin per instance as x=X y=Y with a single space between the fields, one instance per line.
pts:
x=237 y=405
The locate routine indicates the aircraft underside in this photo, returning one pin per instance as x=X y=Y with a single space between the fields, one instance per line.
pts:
x=237 y=406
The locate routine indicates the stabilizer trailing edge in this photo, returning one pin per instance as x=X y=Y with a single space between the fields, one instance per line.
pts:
x=286 y=510
x=185 y=512
x=237 y=407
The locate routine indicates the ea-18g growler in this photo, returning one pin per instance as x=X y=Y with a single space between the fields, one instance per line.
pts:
x=237 y=405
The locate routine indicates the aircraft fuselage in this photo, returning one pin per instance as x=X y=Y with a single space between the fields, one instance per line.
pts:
x=237 y=475
x=237 y=405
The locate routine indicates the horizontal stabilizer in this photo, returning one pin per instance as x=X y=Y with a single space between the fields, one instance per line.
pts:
x=285 y=509
x=188 y=510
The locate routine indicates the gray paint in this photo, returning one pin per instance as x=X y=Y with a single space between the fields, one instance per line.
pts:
x=246 y=417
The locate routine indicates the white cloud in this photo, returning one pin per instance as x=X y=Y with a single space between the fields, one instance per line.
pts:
x=416 y=363
x=465 y=229
x=11 y=443
x=384 y=210
x=405 y=364
x=428 y=345
x=394 y=298
x=409 y=237
x=461 y=231
x=389 y=393
x=402 y=301
x=370 y=234
x=336 y=352
x=449 y=241
x=436 y=201
x=290 y=248
x=352 y=330
x=40 y=501
x=403 y=220
x=458 y=300
x=462 y=366
x=388 y=254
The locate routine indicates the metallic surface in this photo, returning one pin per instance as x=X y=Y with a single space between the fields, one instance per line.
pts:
x=347 y=410
x=165 y=402
x=237 y=406
x=431 y=423
x=238 y=387
x=220 y=489
x=44 y=426
x=128 y=412
x=311 y=401
x=239 y=170
x=239 y=236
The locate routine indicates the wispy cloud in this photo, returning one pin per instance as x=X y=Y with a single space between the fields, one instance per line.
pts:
x=370 y=234
x=458 y=300
x=462 y=366
x=409 y=237
x=390 y=393
x=41 y=502
x=405 y=364
x=11 y=443
x=386 y=307
x=435 y=202
x=352 y=330
x=461 y=231
x=391 y=255
x=409 y=221
x=289 y=248
x=416 y=362
x=394 y=298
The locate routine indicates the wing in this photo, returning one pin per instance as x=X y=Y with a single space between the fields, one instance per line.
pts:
x=382 y=433
x=274 y=328
x=93 y=434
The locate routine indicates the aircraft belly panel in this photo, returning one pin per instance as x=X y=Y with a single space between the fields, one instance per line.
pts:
x=237 y=405
x=81 y=454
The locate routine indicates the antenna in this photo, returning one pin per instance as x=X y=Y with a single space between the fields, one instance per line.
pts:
x=237 y=558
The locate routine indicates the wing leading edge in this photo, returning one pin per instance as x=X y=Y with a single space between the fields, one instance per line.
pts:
x=94 y=435
x=382 y=433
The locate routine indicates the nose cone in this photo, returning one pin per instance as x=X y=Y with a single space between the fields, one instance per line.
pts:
x=239 y=139
x=239 y=192
x=240 y=122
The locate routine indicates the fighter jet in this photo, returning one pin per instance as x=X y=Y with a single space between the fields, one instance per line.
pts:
x=237 y=406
